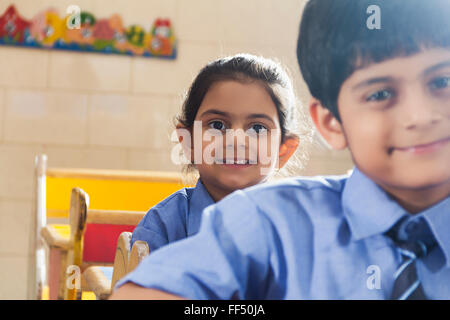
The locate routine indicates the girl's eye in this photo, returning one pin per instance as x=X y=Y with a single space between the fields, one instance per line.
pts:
x=440 y=83
x=380 y=96
x=218 y=125
x=259 y=128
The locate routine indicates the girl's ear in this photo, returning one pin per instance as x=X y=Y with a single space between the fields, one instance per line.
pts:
x=327 y=125
x=287 y=149
x=185 y=139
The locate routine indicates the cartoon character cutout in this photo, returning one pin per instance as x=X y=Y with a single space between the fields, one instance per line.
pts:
x=13 y=28
x=104 y=35
x=84 y=35
x=162 y=40
x=136 y=38
x=47 y=28
x=83 y=31
x=120 y=42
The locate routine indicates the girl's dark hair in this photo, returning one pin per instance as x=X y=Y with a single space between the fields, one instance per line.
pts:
x=247 y=68
x=244 y=68
x=335 y=39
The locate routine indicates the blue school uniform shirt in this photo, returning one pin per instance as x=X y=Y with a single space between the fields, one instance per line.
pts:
x=176 y=217
x=321 y=238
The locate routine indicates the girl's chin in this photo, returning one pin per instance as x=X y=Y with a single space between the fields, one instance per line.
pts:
x=238 y=183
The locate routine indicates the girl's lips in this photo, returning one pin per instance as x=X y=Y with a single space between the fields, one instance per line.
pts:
x=237 y=166
x=425 y=148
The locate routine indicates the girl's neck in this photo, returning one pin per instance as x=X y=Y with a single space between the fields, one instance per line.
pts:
x=216 y=192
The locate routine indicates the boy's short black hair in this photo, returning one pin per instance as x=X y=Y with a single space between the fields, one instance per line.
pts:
x=334 y=38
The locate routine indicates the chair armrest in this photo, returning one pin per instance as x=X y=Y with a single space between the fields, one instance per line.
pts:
x=56 y=236
x=98 y=280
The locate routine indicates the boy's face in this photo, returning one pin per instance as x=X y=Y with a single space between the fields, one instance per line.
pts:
x=396 y=122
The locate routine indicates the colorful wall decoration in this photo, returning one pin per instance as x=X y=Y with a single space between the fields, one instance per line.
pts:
x=85 y=32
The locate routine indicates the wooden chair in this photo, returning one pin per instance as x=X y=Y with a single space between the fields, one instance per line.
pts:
x=119 y=190
x=101 y=280
x=92 y=241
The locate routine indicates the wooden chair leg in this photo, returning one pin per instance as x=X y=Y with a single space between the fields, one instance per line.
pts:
x=56 y=276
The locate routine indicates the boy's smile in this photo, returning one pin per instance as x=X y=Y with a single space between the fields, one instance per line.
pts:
x=424 y=148
x=396 y=122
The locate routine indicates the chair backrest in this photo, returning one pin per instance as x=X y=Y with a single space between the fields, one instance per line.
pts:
x=94 y=234
x=102 y=280
x=121 y=258
x=102 y=231
x=138 y=252
x=127 y=259
x=109 y=189
x=124 y=190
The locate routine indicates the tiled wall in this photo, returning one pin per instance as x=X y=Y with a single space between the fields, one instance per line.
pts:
x=101 y=111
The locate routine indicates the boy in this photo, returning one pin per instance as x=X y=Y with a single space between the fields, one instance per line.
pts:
x=381 y=233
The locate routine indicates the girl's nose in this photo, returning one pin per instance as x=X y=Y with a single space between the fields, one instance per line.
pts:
x=236 y=138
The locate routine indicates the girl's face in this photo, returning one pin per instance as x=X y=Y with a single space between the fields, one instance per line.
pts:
x=238 y=132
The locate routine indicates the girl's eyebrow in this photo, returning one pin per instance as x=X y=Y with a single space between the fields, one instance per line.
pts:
x=215 y=111
x=436 y=67
x=260 y=115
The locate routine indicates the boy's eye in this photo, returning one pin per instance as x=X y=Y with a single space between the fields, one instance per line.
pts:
x=440 y=83
x=218 y=125
x=380 y=95
x=259 y=128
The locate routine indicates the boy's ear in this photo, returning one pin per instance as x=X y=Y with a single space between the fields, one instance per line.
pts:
x=327 y=125
x=287 y=149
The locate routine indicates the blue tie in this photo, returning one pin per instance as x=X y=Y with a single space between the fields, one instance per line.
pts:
x=407 y=285
x=414 y=243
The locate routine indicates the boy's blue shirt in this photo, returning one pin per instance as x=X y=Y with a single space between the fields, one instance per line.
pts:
x=176 y=217
x=319 y=238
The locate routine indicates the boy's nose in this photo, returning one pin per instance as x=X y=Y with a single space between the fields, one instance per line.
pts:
x=420 y=113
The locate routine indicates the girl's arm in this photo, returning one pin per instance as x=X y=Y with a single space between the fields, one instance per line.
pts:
x=131 y=291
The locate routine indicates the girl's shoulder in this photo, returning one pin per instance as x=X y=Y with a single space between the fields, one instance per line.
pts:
x=171 y=208
x=180 y=197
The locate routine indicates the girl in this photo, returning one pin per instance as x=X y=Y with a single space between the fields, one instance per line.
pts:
x=247 y=106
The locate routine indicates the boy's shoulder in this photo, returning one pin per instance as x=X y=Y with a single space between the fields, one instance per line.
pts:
x=286 y=206
x=302 y=184
x=318 y=196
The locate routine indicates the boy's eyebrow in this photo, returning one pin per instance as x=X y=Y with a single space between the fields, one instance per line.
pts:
x=371 y=81
x=436 y=67
x=226 y=114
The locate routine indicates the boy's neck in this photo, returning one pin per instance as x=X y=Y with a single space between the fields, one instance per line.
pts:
x=415 y=201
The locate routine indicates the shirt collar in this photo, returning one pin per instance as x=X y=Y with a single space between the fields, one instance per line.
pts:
x=368 y=209
x=200 y=199
x=438 y=218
